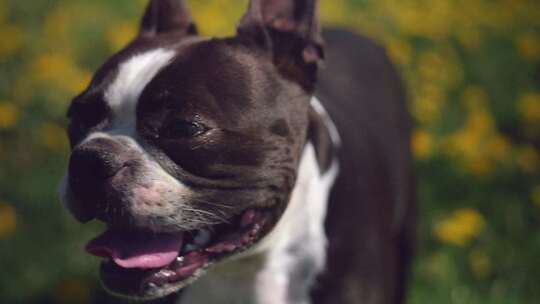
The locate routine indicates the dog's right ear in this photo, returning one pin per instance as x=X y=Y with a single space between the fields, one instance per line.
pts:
x=299 y=18
x=289 y=30
x=167 y=17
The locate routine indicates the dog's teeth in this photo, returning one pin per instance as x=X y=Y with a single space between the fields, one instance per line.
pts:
x=179 y=262
x=202 y=238
x=221 y=247
x=167 y=273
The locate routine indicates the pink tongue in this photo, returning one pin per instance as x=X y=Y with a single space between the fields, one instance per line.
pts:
x=137 y=250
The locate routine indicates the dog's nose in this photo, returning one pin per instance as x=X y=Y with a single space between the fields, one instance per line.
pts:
x=90 y=166
x=97 y=159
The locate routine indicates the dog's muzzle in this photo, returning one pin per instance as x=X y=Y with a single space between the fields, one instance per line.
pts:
x=95 y=168
x=158 y=238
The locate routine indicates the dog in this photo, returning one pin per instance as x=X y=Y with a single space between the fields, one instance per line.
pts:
x=269 y=167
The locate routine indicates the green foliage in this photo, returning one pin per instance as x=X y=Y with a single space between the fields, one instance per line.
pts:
x=473 y=72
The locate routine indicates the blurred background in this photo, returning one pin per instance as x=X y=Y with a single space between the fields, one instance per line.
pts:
x=472 y=68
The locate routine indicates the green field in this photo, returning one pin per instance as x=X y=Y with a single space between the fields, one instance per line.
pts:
x=472 y=69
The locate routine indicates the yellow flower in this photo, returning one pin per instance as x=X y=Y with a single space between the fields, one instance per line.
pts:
x=400 y=51
x=333 y=11
x=72 y=291
x=478 y=145
x=480 y=264
x=428 y=103
x=119 y=35
x=472 y=144
x=429 y=19
x=499 y=146
x=529 y=107
x=430 y=65
x=528 y=45
x=460 y=228
x=528 y=159
x=481 y=122
x=9 y=115
x=61 y=71
x=218 y=18
x=440 y=66
x=53 y=137
x=12 y=38
x=535 y=196
x=8 y=220
x=422 y=144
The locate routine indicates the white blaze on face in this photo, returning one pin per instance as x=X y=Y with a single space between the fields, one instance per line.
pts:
x=155 y=193
x=122 y=96
x=133 y=76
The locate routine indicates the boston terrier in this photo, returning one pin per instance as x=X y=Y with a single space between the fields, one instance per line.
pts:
x=272 y=167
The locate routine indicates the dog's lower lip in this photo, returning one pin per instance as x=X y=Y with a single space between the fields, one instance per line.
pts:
x=250 y=227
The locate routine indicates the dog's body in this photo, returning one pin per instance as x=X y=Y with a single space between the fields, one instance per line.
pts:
x=375 y=188
x=178 y=135
x=372 y=196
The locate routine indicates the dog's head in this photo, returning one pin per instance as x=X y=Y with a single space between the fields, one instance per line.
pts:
x=187 y=147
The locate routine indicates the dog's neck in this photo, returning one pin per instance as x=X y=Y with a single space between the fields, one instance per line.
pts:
x=294 y=253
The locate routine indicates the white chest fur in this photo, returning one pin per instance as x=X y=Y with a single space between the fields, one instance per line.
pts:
x=283 y=267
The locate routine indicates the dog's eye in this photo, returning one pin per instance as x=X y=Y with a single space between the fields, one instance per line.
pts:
x=183 y=129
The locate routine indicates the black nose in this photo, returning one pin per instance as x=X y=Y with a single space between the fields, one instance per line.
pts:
x=90 y=166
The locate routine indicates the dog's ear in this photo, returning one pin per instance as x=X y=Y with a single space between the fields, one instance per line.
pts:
x=270 y=21
x=167 y=17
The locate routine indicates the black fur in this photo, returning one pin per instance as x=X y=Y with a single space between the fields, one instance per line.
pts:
x=251 y=95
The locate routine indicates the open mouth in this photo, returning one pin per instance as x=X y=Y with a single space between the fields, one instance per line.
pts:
x=144 y=264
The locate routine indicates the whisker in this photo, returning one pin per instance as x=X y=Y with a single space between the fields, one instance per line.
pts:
x=196 y=200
